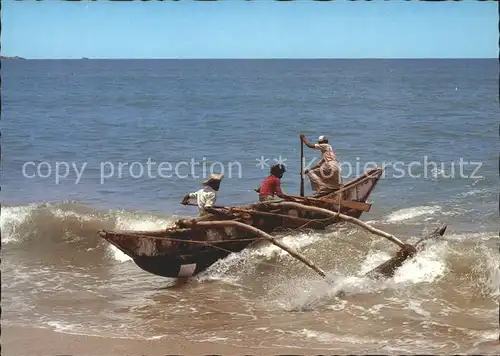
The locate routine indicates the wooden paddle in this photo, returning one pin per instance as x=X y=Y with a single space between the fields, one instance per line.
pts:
x=301 y=168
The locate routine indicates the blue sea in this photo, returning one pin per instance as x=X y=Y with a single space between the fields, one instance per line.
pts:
x=91 y=144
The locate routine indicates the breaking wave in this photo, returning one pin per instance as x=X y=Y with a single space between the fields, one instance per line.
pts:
x=72 y=227
x=53 y=225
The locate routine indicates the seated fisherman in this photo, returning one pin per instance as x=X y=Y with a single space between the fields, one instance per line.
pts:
x=271 y=186
x=325 y=175
x=207 y=196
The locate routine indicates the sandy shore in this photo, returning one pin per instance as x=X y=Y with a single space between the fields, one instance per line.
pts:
x=21 y=341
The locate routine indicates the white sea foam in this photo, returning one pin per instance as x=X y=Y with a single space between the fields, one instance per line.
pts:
x=64 y=214
x=489 y=280
x=321 y=336
x=11 y=218
x=248 y=256
x=427 y=266
x=416 y=306
x=474 y=192
x=331 y=339
x=126 y=221
x=372 y=260
x=92 y=330
x=471 y=236
x=412 y=213
x=65 y=328
x=293 y=241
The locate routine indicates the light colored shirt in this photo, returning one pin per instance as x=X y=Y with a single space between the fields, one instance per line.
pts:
x=326 y=151
x=205 y=197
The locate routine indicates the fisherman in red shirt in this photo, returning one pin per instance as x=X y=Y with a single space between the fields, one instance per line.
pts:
x=271 y=186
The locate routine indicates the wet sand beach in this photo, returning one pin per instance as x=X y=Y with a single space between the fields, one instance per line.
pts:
x=24 y=341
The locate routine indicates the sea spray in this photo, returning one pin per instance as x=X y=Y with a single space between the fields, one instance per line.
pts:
x=412 y=213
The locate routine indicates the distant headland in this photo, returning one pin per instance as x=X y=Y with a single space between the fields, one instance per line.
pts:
x=6 y=57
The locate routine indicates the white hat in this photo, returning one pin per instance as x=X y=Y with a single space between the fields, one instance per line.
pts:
x=213 y=178
x=322 y=138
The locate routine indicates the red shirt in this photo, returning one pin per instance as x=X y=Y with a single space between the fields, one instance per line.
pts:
x=271 y=186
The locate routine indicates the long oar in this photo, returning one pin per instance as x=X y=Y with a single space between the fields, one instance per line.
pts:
x=301 y=168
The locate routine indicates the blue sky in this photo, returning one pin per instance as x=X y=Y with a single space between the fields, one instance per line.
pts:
x=250 y=29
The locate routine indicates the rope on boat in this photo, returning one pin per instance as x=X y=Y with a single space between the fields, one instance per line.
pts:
x=197 y=241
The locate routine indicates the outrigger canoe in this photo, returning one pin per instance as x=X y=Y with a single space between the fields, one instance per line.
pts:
x=191 y=246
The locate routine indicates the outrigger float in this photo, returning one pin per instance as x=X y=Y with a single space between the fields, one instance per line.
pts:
x=190 y=246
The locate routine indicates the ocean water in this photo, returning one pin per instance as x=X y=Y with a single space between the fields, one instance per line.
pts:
x=83 y=142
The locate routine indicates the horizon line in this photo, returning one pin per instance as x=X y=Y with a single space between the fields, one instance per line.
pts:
x=243 y=58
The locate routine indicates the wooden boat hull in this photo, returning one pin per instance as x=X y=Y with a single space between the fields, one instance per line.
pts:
x=185 y=252
x=179 y=266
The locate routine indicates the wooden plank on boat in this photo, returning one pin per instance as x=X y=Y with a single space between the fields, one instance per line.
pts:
x=361 y=206
x=351 y=204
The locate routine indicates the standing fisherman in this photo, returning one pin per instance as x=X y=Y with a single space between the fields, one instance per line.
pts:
x=325 y=175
